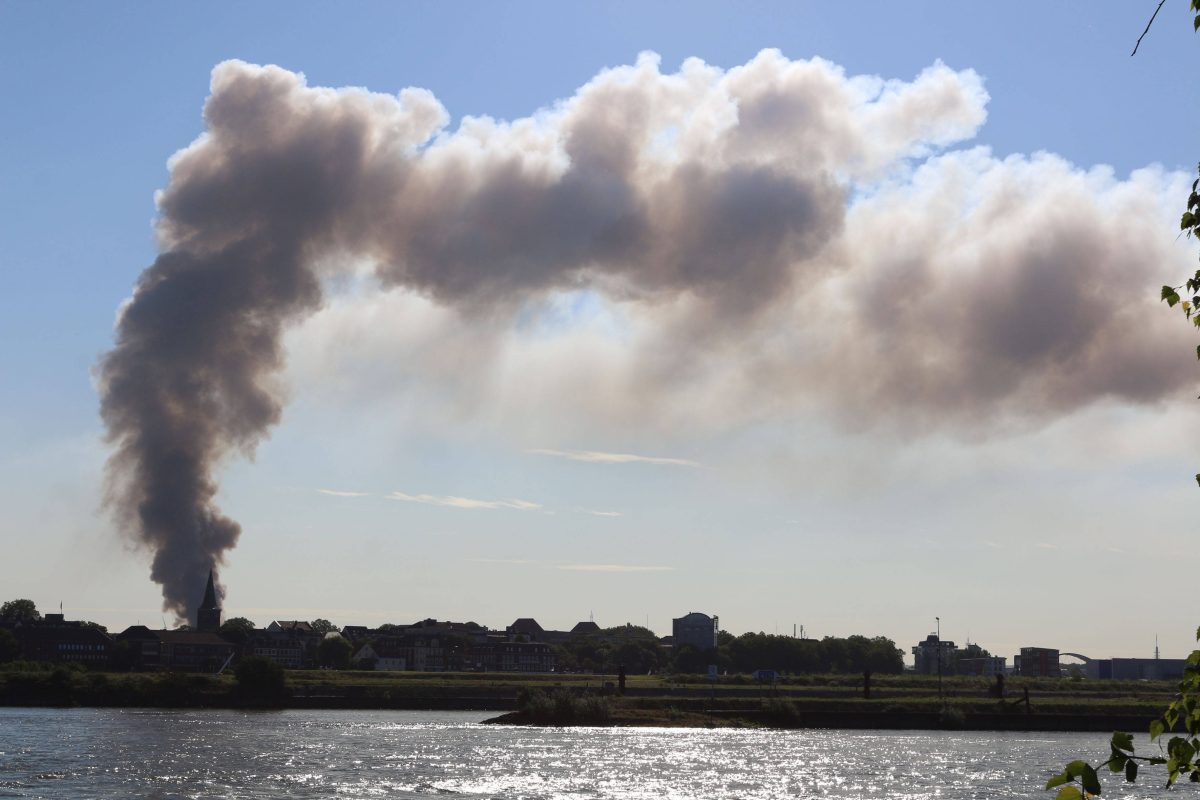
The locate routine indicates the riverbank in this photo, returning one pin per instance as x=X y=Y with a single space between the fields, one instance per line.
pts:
x=808 y=701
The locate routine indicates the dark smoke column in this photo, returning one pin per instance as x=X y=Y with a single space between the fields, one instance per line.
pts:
x=183 y=387
x=291 y=183
x=188 y=381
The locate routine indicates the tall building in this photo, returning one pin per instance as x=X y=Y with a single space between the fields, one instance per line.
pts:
x=208 y=615
x=695 y=629
x=929 y=654
x=1037 y=662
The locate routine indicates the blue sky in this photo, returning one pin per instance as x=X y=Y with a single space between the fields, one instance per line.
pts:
x=1009 y=536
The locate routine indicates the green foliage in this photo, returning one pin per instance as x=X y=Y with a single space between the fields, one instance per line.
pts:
x=786 y=654
x=20 y=610
x=260 y=681
x=1180 y=754
x=237 y=629
x=563 y=707
x=334 y=652
x=952 y=718
x=781 y=712
x=323 y=626
x=9 y=647
x=634 y=647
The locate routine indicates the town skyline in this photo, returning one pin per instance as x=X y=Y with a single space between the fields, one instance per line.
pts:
x=609 y=443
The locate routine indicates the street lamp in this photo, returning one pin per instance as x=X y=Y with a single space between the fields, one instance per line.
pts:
x=939 y=657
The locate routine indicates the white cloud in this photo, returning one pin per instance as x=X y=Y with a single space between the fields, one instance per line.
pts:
x=339 y=493
x=452 y=501
x=613 y=568
x=596 y=513
x=597 y=457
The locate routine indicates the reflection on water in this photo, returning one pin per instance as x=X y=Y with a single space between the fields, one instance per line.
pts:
x=89 y=753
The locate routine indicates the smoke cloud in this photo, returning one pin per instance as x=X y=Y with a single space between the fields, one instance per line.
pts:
x=774 y=232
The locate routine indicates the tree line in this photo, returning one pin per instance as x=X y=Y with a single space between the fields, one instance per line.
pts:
x=638 y=650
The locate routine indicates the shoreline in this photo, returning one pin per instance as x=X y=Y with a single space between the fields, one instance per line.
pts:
x=808 y=702
x=823 y=719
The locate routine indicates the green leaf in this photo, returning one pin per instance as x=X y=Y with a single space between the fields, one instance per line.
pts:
x=1075 y=768
x=1117 y=762
x=1122 y=741
x=1131 y=771
x=1196 y=24
x=1090 y=781
x=1058 y=780
x=1156 y=727
x=1170 y=295
x=1069 y=793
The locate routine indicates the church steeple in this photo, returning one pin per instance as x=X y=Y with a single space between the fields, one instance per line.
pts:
x=208 y=615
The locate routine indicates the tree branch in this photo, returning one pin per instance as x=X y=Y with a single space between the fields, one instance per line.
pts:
x=1148 y=24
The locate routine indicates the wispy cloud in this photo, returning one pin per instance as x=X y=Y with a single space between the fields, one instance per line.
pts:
x=1047 y=546
x=514 y=561
x=338 y=493
x=597 y=457
x=451 y=501
x=613 y=568
x=596 y=513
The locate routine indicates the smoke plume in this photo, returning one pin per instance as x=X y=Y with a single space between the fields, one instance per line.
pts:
x=765 y=226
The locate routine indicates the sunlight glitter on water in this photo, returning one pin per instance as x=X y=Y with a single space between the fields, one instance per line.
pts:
x=86 y=753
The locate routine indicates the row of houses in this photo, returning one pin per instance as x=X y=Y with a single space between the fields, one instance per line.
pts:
x=429 y=645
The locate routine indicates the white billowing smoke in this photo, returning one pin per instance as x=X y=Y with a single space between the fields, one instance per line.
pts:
x=750 y=238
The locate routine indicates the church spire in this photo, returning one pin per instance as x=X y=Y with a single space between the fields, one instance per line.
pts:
x=210 y=594
x=208 y=615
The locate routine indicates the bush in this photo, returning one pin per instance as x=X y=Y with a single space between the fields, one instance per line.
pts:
x=563 y=707
x=781 y=713
x=260 y=681
x=952 y=718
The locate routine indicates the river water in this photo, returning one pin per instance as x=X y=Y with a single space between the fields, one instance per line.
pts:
x=95 y=753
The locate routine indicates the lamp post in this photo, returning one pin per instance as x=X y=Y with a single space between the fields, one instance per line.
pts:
x=939 y=657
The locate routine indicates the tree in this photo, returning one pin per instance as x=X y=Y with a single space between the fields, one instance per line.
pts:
x=10 y=648
x=237 y=629
x=15 y=611
x=260 y=681
x=1181 y=756
x=323 y=626
x=334 y=652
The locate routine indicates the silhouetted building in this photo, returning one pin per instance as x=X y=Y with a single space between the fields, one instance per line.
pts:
x=988 y=666
x=585 y=628
x=57 y=640
x=929 y=654
x=1037 y=662
x=184 y=651
x=1136 y=669
x=208 y=615
x=384 y=657
x=513 y=656
x=527 y=627
x=283 y=648
x=696 y=630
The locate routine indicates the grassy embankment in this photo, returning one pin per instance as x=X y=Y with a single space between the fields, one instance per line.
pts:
x=800 y=701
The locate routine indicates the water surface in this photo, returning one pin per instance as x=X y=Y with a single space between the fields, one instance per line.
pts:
x=91 y=753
